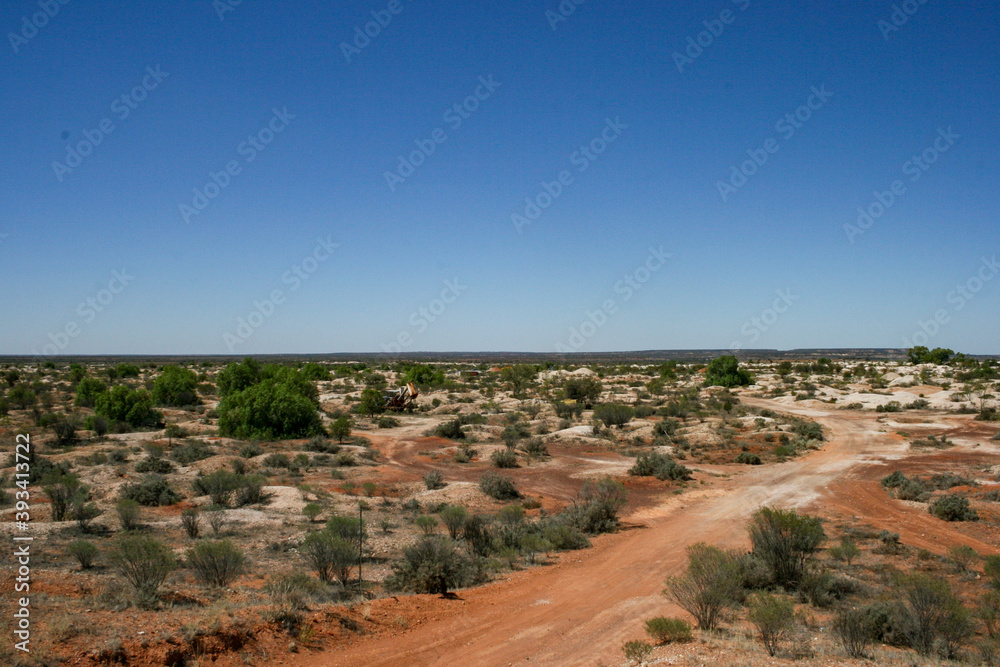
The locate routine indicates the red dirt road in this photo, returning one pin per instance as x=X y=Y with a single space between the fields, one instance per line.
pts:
x=580 y=610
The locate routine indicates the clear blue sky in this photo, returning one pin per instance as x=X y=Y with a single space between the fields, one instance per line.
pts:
x=197 y=86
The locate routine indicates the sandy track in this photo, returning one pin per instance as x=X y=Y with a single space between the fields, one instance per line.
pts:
x=582 y=609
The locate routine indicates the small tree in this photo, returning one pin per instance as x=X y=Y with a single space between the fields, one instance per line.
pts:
x=846 y=551
x=341 y=428
x=216 y=563
x=726 y=372
x=371 y=403
x=176 y=386
x=518 y=377
x=145 y=563
x=773 y=618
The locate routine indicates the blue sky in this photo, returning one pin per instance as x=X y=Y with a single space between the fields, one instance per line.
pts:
x=311 y=217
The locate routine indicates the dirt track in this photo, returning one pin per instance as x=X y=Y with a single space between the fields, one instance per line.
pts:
x=581 y=610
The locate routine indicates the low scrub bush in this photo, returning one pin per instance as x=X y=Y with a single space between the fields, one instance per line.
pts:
x=191 y=452
x=84 y=552
x=953 y=507
x=450 y=429
x=661 y=466
x=497 y=486
x=154 y=464
x=144 y=563
x=216 y=563
x=665 y=630
x=151 y=491
x=504 y=458
x=748 y=458
x=434 y=480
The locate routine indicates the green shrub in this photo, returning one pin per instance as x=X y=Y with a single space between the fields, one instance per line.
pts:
x=283 y=406
x=330 y=555
x=129 y=513
x=154 y=464
x=216 y=563
x=535 y=447
x=84 y=552
x=386 y=421
x=145 y=563
x=665 y=630
x=953 y=507
x=189 y=519
x=636 y=651
x=130 y=406
x=454 y=518
x=250 y=450
x=277 y=461
x=311 y=511
x=219 y=485
x=853 y=629
x=176 y=386
x=613 y=414
x=725 y=371
x=773 y=617
x=190 y=452
x=709 y=587
x=784 y=541
x=434 y=480
x=450 y=429
x=497 y=486
x=88 y=390
x=748 y=458
x=504 y=458
x=151 y=490
x=597 y=505
x=432 y=565
x=661 y=466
